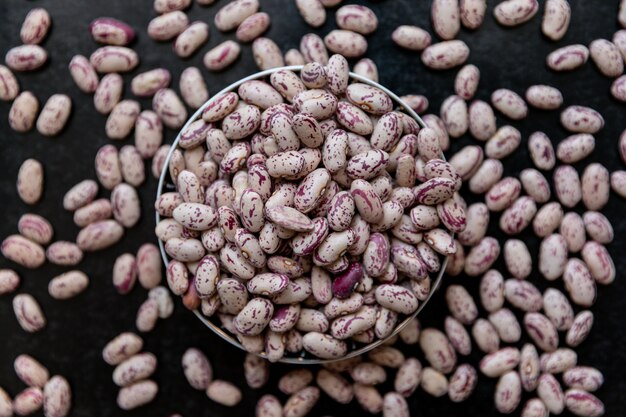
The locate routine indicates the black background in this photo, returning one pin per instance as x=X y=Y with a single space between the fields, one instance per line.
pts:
x=78 y=329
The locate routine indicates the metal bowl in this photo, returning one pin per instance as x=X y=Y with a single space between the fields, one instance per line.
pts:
x=305 y=358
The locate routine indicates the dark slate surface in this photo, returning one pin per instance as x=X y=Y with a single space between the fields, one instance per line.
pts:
x=78 y=329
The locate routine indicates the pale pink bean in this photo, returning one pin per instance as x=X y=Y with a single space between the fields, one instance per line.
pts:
x=581 y=327
x=544 y=97
x=583 y=403
x=168 y=25
x=607 y=58
x=482 y=120
x=232 y=14
x=191 y=39
x=411 y=37
x=54 y=115
x=618 y=88
x=23 y=112
x=313 y=49
x=221 y=56
x=28 y=313
x=346 y=42
x=64 y=253
x=567 y=185
x=253 y=27
x=541 y=151
x=108 y=93
x=445 y=55
x=472 y=13
x=110 y=31
x=366 y=68
x=9 y=281
x=312 y=11
x=466 y=81
x=267 y=54
x=9 y=88
x=618 y=183
x=515 y=12
x=445 y=16
x=83 y=74
x=35 y=27
x=568 y=58
x=114 y=59
x=556 y=19
x=26 y=58
x=509 y=103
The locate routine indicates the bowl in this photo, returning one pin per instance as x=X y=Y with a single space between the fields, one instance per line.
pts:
x=213 y=324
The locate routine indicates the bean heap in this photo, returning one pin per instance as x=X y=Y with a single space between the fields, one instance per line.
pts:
x=300 y=223
x=53 y=394
x=313 y=201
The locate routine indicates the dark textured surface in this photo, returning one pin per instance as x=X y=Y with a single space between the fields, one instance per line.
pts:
x=78 y=329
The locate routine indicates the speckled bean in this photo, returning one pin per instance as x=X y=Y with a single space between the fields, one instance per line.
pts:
x=54 y=115
x=466 y=81
x=583 y=377
x=595 y=186
x=581 y=327
x=445 y=55
x=486 y=176
x=509 y=103
x=482 y=120
x=23 y=112
x=111 y=31
x=232 y=14
x=135 y=368
x=482 y=256
x=515 y=12
x=108 y=59
x=567 y=185
x=568 y=57
x=267 y=54
x=580 y=119
x=607 y=58
x=550 y=392
x=582 y=403
x=492 y=291
x=541 y=151
x=28 y=401
x=556 y=19
x=434 y=382
x=28 y=313
x=411 y=37
x=535 y=185
x=221 y=56
x=542 y=331
x=544 y=97
x=190 y=39
x=558 y=309
x=508 y=393
x=9 y=87
x=26 y=58
x=68 y=285
x=99 y=235
x=168 y=25
x=136 y=395
x=169 y=108
x=579 y=283
x=472 y=13
x=503 y=143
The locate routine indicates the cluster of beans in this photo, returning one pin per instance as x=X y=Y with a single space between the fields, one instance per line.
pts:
x=572 y=246
x=53 y=394
x=132 y=368
x=301 y=223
